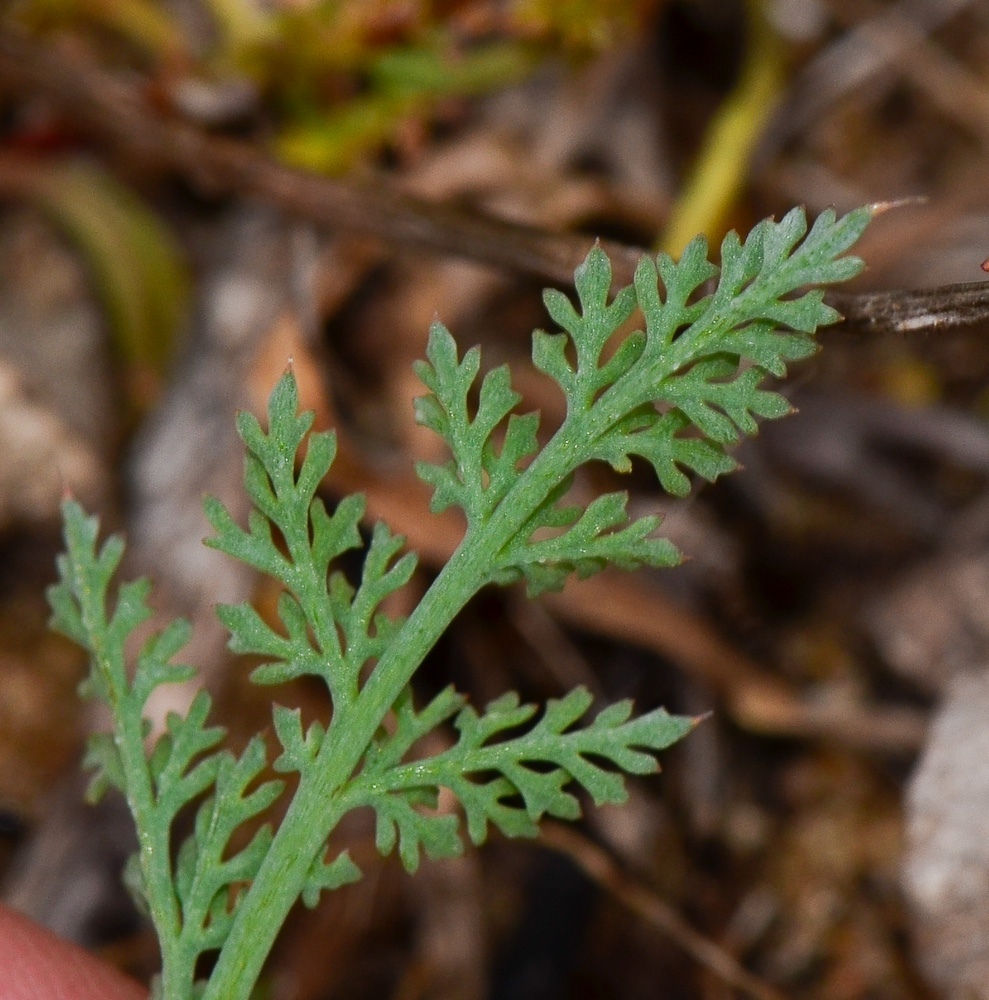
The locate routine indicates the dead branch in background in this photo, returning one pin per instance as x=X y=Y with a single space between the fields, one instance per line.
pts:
x=100 y=105
x=929 y=310
x=598 y=865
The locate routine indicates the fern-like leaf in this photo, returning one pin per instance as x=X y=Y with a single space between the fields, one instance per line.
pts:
x=207 y=874
x=191 y=904
x=511 y=783
x=703 y=362
x=329 y=629
x=480 y=472
x=678 y=393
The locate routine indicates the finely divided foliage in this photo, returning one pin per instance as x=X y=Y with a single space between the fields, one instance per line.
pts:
x=676 y=393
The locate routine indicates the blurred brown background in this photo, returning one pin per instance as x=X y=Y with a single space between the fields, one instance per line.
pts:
x=194 y=191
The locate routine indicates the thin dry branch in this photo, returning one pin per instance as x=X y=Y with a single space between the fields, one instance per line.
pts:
x=102 y=107
x=137 y=133
x=931 y=310
x=599 y=866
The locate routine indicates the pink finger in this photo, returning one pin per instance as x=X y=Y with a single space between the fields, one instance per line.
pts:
x=35 y=964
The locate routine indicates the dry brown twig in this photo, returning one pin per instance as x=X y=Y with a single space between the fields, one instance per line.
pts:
x=101 y=106
x=597 y=864
x=930 y=310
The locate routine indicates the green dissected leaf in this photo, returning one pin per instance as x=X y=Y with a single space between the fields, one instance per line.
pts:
x=705 y=359
x=676 y=393
x=155 y=664
x=206 y=872
x=330 y=629
x=601 y=536
x=183 y=763
x=409 y=726
x=687 y=387
x=481 y=473
x=339 y=872
x=80 y=609
x=400 y=820
x=657 y=437
x=78 y=600
x=179 y=770
x=503 y=781
x=589 y=331
x=299 y=751
x=367 y=633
